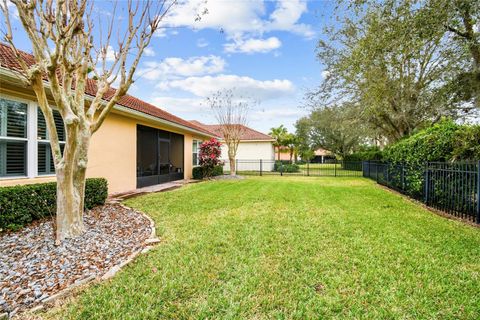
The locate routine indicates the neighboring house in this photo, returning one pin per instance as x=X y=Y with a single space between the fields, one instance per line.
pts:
x=284 y=154
x=138 y=144
x=253 y=145
x=322 y=155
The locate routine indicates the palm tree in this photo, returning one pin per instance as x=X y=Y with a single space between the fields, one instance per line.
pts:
x=279 y=134
x=292 y=142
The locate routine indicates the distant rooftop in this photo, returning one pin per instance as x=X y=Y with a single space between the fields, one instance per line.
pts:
x=248 y=133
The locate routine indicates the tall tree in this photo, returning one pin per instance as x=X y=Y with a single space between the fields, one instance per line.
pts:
x=292 y=142
x=231 y=113
x=392 y=66
x=462 y=19
x=335 y=129
x=279 y=133
x=66 y=49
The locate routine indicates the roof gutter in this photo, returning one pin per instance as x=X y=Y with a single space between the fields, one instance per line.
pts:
x=13 y=75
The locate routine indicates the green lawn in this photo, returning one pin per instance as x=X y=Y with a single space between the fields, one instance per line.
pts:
x=292 y=248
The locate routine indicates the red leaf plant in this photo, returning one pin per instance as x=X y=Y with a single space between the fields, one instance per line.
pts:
x=210 y=152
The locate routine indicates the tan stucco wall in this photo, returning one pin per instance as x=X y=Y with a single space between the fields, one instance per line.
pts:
x=113 y=152
x=113 y=149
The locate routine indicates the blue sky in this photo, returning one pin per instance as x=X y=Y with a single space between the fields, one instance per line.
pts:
x=262 y=49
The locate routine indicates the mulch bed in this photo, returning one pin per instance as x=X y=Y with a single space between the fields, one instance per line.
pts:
x=32 y=268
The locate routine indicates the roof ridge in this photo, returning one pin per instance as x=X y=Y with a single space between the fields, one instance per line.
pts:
x=258 y=131
x=246 y=136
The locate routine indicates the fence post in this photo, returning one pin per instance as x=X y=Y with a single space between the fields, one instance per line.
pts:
x=427 y=183
x=281 y=168
x=335 y=167
x=376 y=172
x=478 y=192
x=308 y=167
x=260 y=167
x=236 y=166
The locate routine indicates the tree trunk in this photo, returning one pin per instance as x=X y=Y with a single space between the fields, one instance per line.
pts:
x=69 y=206
x=71 y=177
x=233 y=169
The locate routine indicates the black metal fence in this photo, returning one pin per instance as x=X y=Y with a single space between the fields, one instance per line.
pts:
x=451 y=187
x=262 y=167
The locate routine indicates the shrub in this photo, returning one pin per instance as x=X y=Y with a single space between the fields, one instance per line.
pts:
x=210 y=152
x=286 y=166
x=198 y=172
x=291 y=168
x=467 y=144
x=279 y=164
x=20 y=205
x=365 y=153
x=445 y=141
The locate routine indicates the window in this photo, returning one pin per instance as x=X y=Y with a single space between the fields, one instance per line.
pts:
x=44 y=151
x=13 y=138
x=196 y=151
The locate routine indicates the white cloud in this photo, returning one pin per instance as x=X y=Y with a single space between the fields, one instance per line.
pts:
x=202 y=43
x=276 y=113
x=244 y=86
x=110 y=54
x=240 y=17
x=253 y=45
x=180 y=105
x=286 y=15
x=160 y=33
x=174 y=67
x=149 y=52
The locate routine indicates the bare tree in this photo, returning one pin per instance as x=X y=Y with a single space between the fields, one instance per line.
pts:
x=231 y=114
x=65 y=53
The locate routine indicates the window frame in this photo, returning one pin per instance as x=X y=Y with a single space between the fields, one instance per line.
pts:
x=45 y=142
x=198 y=143
x=31 y=139
x=31 y=135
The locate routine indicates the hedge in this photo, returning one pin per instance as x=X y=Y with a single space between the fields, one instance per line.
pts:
x=198 y=173
x=365 y=153
x=20 y=205
x=444 y=141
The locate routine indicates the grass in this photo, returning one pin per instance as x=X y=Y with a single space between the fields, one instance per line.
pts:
x=292 y=248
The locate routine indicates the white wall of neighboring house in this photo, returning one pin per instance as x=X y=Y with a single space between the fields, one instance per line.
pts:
x=254 y=151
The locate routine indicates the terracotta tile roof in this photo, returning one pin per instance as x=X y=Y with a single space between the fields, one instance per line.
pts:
x=9 y=61
x=248 y=133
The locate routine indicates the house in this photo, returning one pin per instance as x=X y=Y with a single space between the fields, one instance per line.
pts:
x=282 y=153
x=253 y=145
x=138 y=144
x=322 y=156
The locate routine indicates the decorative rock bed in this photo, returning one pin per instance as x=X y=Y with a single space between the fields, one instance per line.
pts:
x=34 y=271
